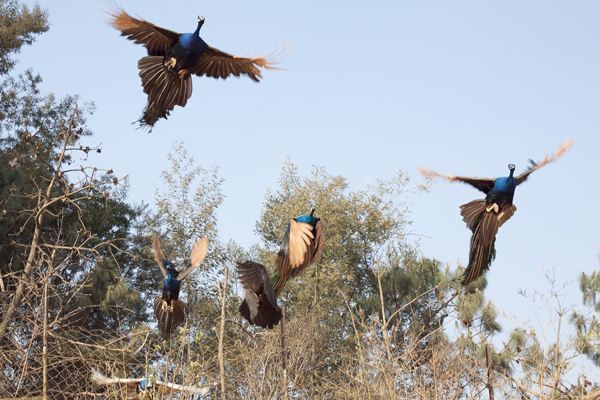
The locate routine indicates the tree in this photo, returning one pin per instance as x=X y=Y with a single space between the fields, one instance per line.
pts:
x=588 y=327
x=64 y=233
x=18 y=26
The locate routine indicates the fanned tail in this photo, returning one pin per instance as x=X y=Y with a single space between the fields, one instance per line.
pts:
x=169 y=315
x=165 y=89
x=150 y=115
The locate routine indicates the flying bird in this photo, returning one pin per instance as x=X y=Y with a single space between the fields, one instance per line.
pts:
x=146 y=387
x=169 y=311
x=485 y=217
x=302 y=246
x=171 y=61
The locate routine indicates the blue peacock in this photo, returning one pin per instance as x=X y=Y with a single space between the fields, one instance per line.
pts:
x=484 y=217
x=147 y=387
x=172 y=59
x=169 y=311
x=302 y=246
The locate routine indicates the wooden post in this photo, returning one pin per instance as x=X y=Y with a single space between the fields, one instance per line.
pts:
x=45 y=342
x=283 y=355
x=489 y=362
x=222 y=330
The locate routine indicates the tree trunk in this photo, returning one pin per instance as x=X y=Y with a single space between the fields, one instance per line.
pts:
x=490 y=366
x=222 y=330
x=283 y=355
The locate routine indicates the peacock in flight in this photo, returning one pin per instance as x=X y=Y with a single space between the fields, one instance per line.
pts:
x=302 y=246
x=147 y=387
x=485 y=217
x=171 y=61
x=169 y=311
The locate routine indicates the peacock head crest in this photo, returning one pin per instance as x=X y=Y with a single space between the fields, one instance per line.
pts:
x=200 y=23
x=171 y=268
x=511 y=168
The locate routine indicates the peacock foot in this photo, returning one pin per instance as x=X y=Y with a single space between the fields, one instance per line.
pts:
x=171 y=63
x=493 y=207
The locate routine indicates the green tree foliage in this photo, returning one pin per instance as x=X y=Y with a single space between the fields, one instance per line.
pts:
x=19 y=26
x=186 y=207
x=374 y=319
x=588 y=327
x=359 y=225
x=65 y=229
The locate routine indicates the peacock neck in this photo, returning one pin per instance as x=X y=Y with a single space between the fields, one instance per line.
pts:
x=196 y=33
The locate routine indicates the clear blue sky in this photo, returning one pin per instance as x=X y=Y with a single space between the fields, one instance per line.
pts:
x=371 y=88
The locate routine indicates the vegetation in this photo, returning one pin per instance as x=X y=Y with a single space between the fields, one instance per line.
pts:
x=373 y=320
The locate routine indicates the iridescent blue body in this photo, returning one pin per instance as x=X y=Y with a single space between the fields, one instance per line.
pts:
x=307 y=219
x=188 y=48
x=171 y=286
x=503 y=191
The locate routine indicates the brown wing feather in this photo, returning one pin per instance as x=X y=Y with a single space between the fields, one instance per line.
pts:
x=562 y=149
x=302 y=246
x=260 y=304
x=300 y=239
x=218 y=64
x=505 y=214
x=318 y=242
x=482 y=184
x=156 y=39
x=159 y=257
x=294 y=252
x=196 y=257
x=252 y=275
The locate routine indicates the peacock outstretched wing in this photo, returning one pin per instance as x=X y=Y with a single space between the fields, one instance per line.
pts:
x=217 y=64
x=159 y=257
x=302 y=245
x=157 y=40
x=196 y=257
x=534 y=166
x=483 y=184
x=255 y=278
